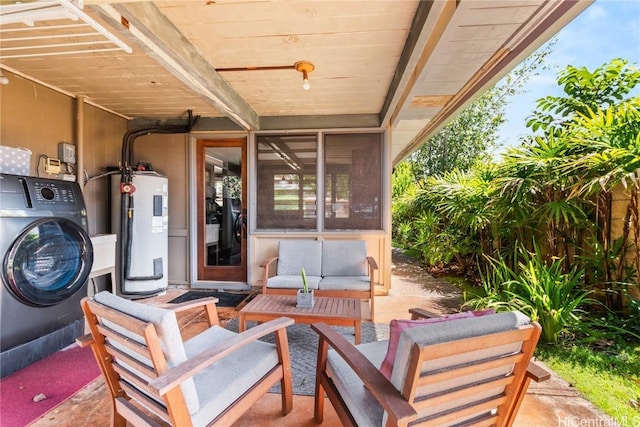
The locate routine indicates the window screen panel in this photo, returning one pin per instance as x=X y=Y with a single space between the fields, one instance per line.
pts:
x=353 y=181
x=287 y=182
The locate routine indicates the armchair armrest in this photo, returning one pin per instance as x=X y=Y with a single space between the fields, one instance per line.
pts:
x=188 y=305
x=420 y=313
x=380 y=387
x=537 y=372
x=266 y=264
x=208 y=304
x=373 y=265
x=84 y=340
x=175 y=376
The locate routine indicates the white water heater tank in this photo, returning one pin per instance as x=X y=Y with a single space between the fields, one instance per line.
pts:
x=147 y=249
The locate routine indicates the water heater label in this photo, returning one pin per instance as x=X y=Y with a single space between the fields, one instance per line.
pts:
x=156 y=224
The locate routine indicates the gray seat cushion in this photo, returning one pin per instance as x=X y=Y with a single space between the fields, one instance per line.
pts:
x=224 y=381
x=292 y=281
x=363 y=406
x=352 y=283
x=344 y=258
x=295 y=254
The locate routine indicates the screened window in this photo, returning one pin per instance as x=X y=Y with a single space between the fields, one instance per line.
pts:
x=287 y=186
x=353 y=181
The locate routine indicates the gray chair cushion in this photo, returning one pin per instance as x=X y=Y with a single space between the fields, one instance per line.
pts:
x=352 y=283
x=226 y=380
x=344 y=258
x=363 y=406
x=168 y=334
x=292 y=281
x=295 y=254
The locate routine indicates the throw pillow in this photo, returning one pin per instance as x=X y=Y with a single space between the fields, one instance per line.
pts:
x=396 y=326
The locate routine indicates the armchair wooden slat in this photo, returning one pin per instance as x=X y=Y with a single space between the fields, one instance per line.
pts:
x=427 y=401
x=130 y=361
x=151 y=405
x=485 y=407
x=133 y=414
x=470 y=369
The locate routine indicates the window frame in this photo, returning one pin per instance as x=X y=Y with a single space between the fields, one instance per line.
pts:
x=320 y=182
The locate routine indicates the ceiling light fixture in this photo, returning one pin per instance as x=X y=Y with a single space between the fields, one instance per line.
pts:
x=305 y=67
x=4 y=80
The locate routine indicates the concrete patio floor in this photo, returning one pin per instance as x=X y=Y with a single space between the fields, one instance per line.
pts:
x=551 y=403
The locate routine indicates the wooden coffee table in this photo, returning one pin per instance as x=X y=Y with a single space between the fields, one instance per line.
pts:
x=333 y=311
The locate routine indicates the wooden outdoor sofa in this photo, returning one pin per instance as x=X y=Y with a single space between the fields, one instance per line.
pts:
x=334 y=268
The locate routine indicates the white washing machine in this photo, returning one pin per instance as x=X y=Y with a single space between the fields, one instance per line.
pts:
x=46 y=256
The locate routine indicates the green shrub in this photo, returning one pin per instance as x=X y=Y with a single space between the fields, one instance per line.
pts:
x=540 y=290
x=549 y=296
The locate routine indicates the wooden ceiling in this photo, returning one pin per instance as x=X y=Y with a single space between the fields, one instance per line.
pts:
x=405 y=64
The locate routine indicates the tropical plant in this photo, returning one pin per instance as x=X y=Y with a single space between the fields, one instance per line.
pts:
x=542 y=291
x=561 y=191
x=536 y=197
x=610 y=143
x=305 y=285
x=586 y=91
x=549 y=296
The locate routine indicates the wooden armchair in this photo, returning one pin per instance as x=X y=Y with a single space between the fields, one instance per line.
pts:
x=468 y=371
x=210 y=379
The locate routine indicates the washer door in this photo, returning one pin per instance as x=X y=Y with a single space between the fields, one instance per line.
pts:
x=49 y=262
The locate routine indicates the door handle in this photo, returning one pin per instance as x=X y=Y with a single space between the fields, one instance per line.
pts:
x=244 y=224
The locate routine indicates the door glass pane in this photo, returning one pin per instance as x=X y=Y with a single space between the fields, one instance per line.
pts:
x=287 y=186
x=223 y=201
x=353 y=181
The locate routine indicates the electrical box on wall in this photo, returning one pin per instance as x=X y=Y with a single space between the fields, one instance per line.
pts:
x=52 y=166
x=67 y=152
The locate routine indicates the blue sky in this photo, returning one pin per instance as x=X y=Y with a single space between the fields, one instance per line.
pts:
x=605 y=30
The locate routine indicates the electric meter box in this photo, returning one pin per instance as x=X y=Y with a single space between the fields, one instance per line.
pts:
x=67 y=152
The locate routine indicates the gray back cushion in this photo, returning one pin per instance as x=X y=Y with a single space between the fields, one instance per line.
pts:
x=293 y=255
x=450 y=331
x=344 y=258
x=166 y=326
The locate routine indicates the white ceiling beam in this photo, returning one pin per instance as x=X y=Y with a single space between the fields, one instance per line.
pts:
x=160 y=38
x=429 y=23
x=547 y=21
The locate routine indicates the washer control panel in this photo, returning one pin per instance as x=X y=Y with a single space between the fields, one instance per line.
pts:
x=30 y=196
x=53 y=193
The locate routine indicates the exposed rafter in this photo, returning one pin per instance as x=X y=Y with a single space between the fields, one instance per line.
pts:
x=159 y=37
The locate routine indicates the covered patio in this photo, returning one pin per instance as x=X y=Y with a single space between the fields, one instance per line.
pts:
x=306 y=105
x=553 y=402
